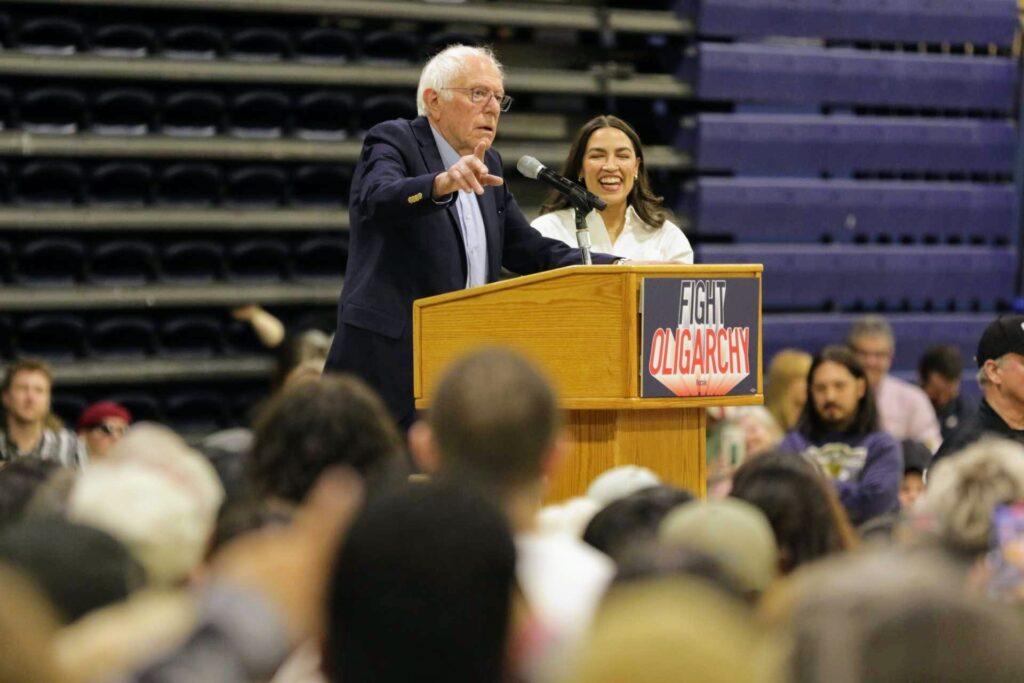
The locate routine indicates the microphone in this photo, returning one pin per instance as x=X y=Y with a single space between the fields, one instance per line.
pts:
x=578 y=195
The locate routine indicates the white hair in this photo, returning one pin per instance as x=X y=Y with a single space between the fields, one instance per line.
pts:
x=445 y=67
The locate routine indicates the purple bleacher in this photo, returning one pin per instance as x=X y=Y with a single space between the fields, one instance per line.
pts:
x=845 y=277
x=808 y=210
x=811 y=144
x=773 y=73
x=911 y=21
x=915 y=333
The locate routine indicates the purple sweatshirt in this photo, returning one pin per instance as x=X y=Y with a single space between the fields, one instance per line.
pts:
x=866 y=470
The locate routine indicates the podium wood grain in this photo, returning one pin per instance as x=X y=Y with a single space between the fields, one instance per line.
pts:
x=581 y=325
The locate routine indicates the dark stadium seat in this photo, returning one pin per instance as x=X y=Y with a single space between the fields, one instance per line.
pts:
x=915 y=333
x=54 y=336
x=193 y=113
x=196 y=412
x=6 y=40
x=68 y=406
x=814 y=75
x=257 y=186
x=6 y=337
x=49 y=182
x=240 y=338
x=124 y=262
x=842 y=277
x=439 y=40
x=51 y=260
x=124 y=40
x=123 y=337
x=321 y=258
x=326 y=44
x=260 y=44
x=802 y=144
x=259 y=259
x=796 y=210
x=194 y=42
x=191 y=183
x=51 y=35
x=384 y=108
x=391 y=46
x=7 y=109
x=192 y=335
x=121 y=182
x=6 y=262
x=52 y=110
x=324 y=115
x=124 y=111
x=321 y=184
x=6 y=187
x=907 y=21
x=142 y=406
x=259 y=114
x=193 y=261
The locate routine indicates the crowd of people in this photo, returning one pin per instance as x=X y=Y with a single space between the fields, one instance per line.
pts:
x=330 y=546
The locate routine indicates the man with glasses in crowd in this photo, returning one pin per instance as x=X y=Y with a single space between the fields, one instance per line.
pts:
x=29 y=429
x=430 y=213
x=904 y=410
x=102 y=425
x=1000 y=359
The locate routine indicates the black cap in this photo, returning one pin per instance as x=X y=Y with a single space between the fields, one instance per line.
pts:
x=1004 y=335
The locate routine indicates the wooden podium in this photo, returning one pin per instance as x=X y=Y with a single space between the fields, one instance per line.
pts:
x=582 y=326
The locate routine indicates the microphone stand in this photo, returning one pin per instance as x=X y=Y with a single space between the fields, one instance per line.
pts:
x=583 y=207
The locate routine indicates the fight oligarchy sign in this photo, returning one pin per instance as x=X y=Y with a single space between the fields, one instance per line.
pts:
x=699 y=337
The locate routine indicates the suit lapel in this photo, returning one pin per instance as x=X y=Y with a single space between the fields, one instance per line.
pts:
x=432 y=158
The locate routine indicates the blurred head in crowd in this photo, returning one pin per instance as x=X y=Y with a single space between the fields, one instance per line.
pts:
x=963 y=492
x=26 y=393
x=101 y=425
x=916 y=458
x=494 y=423
x=619 y=482
x=885 y=617
x=607 y=157
x=335 y=420
x=801 y=507
x=19 y=481
x=461 y=92
x=634 y=519
x=157 y=496
x=733 y=532
x=872 y=341
x=79 y=568
x=663 y=560
x=940 y=370
x=841 y=400
x=673 y=629
x=28 y=626
x=422 y=590
x=1001 y=368
x=785 y=387
x=306 y=351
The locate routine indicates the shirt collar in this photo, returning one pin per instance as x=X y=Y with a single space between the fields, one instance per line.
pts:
x=448 y=154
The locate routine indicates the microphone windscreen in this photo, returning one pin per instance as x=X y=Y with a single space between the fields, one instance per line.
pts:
x=529 y=166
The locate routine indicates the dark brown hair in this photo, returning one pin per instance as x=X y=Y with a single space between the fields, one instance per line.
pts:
x=865 y=420
x=648 y=206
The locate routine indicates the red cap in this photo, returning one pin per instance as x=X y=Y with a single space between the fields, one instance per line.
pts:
x=98 y=412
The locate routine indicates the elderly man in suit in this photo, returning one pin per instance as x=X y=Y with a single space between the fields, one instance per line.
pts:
x=430 y=213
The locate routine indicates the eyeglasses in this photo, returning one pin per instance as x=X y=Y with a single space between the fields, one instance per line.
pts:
x=110 y=430
x=481 y=95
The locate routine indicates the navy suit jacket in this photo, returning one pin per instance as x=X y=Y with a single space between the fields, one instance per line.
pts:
x=404 y=246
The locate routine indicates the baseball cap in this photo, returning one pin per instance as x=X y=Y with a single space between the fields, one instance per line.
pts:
x=1004 y=335
x=98 y=412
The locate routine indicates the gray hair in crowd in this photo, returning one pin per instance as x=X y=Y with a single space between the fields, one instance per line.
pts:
x=870 y=326
x=963 y=491
x=445 y=67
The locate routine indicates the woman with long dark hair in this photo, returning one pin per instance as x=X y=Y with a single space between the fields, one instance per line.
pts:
x=608 y=158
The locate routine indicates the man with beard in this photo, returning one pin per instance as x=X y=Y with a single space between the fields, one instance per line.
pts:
x=29 y=429
x=839 y=430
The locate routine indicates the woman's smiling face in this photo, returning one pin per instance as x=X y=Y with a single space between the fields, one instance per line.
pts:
x=610 y=165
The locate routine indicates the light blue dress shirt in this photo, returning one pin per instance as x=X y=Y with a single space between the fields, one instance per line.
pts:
x=471 y=221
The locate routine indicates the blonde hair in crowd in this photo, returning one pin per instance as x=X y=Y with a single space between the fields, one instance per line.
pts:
x=787 y=366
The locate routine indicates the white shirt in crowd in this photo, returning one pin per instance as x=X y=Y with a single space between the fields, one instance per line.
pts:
x=637 y=241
